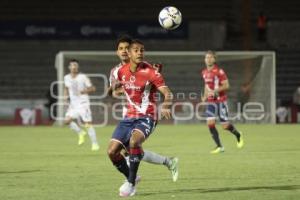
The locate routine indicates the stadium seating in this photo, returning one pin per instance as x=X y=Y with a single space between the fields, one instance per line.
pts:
x=27 y=67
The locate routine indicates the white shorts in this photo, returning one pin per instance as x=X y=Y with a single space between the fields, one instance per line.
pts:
x=84 y=112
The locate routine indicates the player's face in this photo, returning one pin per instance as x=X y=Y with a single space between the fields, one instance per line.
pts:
x=136 y=53
x=122 y=51
x=209 y=60
x=73 y=67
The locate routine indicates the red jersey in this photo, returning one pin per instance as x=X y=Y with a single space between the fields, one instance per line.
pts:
x=213 y=79
x=140 y=88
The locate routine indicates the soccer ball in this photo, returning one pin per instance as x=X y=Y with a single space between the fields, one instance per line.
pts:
x=169 y=18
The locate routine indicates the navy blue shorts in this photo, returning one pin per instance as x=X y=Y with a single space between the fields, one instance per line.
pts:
x=122 y=133
x=214 y=110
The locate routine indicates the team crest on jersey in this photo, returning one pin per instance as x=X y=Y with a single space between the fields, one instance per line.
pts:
x=132 y=79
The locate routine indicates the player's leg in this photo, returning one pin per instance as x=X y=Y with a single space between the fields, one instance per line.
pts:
x=69 y=120
x=135 y=154
x=86 y=117
x=143 y=127
x=120 y=140
x=170 y=162
x=211 y=123
x=154 y=158
x=135 y=157
x=223 y=115
x=117 y=159
x=92 y=135
x=231 y=128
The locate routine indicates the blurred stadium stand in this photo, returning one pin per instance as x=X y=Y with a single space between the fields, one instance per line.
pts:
x=27 y=66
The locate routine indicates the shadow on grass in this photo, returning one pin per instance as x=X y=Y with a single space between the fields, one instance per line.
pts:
x=20 y=172
x=226 y=189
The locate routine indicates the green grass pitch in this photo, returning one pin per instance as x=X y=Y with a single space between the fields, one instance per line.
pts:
x=45 y=163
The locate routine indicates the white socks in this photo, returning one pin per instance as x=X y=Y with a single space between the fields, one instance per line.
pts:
x=154 y=158
x=92 y=134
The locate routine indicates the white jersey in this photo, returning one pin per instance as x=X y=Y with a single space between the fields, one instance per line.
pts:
x=76 y=86
x=113 y=77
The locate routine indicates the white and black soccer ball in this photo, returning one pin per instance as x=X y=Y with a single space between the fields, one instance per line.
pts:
x=170 y=18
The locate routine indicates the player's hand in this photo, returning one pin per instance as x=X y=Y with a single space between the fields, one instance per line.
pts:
x=213 y=93
x=157 y=67
x=116 y=85
x=66 y=100
x=84 y=92
x=118 y=92
x=203 y=97
x=166 y=113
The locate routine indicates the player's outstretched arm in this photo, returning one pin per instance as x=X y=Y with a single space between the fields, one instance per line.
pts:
x=116 y=93
x=89 y=90
x=224 y=86
x=168 y=98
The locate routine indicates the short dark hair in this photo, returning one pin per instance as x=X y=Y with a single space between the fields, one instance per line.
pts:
x=135 y=41
x=124 y=38
x=73 y=60
x=212 y=53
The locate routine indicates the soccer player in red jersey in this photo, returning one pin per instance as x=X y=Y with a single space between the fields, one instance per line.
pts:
x=151 y=157
x=216 y=85
x=140 y=81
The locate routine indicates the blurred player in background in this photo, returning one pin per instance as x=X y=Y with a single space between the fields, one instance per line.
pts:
x=139 y=82
x=115 y=146
x=77 y=87
x=216 y=85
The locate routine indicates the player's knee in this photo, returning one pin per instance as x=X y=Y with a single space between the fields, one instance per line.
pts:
x=87 y=125
x=225 y=126
x=136 y=139
x=211 y=124
x=112 y=152
x=67 y=121
x=134 y=143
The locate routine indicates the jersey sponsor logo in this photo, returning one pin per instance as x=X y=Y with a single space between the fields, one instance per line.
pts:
x=132 y=79
x=130 y=86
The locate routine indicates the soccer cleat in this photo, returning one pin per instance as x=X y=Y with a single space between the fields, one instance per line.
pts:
x=173 y=167
x=81 y=137
x=218 y=150
x=240 y=144
x=127 y=190
x=95 y=147
x=137 y=180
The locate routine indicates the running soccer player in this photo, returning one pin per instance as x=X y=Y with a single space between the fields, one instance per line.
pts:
x=216 y=85
x=151 y=157
x=139 y=81
x=77 y=87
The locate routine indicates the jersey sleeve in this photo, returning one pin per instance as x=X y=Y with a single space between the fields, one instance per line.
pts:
x=87 y=81
x=113 y=77
x=222 y=75
x=66 y=82
x=157 y=79
x=202 y=73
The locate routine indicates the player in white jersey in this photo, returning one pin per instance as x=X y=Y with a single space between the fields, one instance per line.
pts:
x=151 y=157
x=77 y=87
